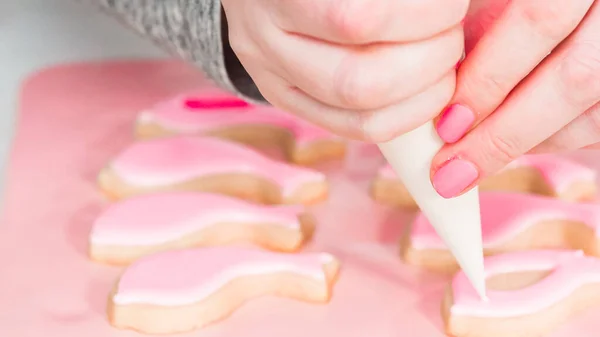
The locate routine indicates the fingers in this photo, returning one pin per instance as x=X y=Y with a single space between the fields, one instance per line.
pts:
x=367 y=125
x=583 y=132
x=525 y=33
x=366 y=21
x=371 y=91
x=369 y=77
x=563 y=87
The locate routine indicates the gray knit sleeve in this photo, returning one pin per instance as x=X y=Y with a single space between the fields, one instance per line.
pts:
x=195 y=30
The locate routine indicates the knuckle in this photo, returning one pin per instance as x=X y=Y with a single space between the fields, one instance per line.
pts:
x=548 y=18
x=491 y=84
x=364 y=132
x=593 y=119
x=369 y=130
x=500 y=149
x=484 y=90
x=241 y=46
x=580 y=75
x=352 y=20
x=355 y=88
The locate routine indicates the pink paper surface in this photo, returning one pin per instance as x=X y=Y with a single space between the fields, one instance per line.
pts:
x=74 y=118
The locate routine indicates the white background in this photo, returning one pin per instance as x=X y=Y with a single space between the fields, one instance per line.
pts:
x=39 y=33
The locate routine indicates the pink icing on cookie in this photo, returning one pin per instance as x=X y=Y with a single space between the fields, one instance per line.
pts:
x=183 y=277
x=558 y=171
x=504 y=215
x=209 y=110
x=173 y=160
x=159 y=218
x=570 y=270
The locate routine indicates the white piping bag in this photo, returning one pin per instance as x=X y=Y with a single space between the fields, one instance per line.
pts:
x=457 y=220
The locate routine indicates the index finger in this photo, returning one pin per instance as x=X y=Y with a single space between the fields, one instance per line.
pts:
x=368 y=21
x=522 y=37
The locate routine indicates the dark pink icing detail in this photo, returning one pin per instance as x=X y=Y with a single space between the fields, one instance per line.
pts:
x=208 y=103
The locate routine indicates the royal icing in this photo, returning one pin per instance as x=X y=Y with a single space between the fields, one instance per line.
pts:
x=208 y=110
x=183 y=277
x=173 y=160
x=164 y=217
x=505 y=215
x=558 y=172
x=569 y=270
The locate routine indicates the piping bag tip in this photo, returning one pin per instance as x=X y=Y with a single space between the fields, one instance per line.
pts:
x=457 y=220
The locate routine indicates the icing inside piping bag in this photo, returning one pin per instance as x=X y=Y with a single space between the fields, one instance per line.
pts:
x=457 y=220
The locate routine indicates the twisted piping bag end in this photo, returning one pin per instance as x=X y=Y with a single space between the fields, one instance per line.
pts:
x=457 y=220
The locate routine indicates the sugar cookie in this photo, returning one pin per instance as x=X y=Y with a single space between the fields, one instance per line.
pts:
x=511 y=222
x=182 y=290
x=206 y=164
x=548 y=175
x=529 y=294
x=209 y=112
x=151 y=223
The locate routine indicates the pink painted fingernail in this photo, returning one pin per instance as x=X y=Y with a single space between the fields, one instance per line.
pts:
x=455 y=122
x=452 y=178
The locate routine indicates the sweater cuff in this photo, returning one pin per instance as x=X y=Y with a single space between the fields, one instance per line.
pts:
x=236 y=76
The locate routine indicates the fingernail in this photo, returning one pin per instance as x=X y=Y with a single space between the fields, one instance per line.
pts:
x=455 y=122
x=454 y=177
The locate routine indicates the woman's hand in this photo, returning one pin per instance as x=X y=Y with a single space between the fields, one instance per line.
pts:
x=531 y=84
x=365 y=69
